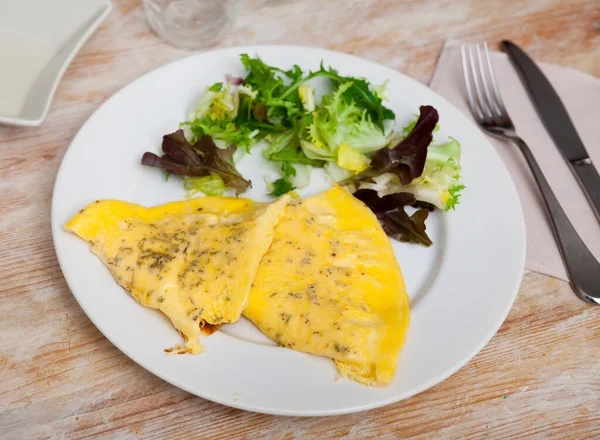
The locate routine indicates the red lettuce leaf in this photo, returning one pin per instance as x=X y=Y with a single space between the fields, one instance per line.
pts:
x=201 y=159
x=381 y=205
x=393 y=218
x=398 y=225
x=221 y=160
x=177 y=149
x=407 y=159
x=151 y=159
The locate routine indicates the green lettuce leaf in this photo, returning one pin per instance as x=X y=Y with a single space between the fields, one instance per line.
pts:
x=361 y=93
x=295 y=155
x=339 y=121
x=211 y=185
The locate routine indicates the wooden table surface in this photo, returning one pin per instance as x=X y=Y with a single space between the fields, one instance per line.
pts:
x=60 y=377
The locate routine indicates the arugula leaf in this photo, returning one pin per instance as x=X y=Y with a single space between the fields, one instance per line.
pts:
x=269 y=83
x=360 y=92
x=288 y=170
x=281 y=187
x=277 y=105
x=295 y=155
x=216 y=87
x=352 y=114
x=202 y=159
x=284 y=184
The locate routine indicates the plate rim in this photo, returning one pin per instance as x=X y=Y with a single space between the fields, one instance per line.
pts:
x=318 y=413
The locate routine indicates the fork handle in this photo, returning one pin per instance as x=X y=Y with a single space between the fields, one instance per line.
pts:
x=582 y=267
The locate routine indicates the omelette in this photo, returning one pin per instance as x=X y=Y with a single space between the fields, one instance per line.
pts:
x=330 y=285
x=195 y=260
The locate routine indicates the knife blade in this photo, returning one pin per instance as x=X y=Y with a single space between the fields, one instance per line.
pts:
x=555 y=118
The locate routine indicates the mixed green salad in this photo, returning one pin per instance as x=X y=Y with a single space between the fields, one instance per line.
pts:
x=349 y=133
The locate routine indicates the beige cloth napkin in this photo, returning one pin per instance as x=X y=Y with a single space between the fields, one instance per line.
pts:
x=580 y=94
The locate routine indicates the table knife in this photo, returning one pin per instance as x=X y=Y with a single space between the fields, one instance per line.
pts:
x=557 y=122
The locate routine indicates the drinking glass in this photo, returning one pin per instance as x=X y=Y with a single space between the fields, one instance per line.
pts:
x=191 y=24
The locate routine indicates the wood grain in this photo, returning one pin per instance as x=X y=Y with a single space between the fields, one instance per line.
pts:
x=60 y=378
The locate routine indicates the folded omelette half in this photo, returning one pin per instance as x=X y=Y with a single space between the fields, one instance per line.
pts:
x=330 y=285
x=194 y=260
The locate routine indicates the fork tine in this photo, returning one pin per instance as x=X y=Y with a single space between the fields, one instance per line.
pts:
x=485 y=75
x=498 y=101
x=467 y=77
x=477 y=80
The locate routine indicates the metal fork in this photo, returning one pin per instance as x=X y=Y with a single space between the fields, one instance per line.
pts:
x=489 y=112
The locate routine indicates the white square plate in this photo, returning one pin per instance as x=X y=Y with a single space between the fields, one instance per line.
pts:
x=38 y=41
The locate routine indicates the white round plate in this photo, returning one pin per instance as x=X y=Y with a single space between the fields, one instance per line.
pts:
x=461 y=288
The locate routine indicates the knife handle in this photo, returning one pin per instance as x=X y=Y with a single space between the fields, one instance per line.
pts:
x=555 y=118
x=590 y=181
x=582 y=266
